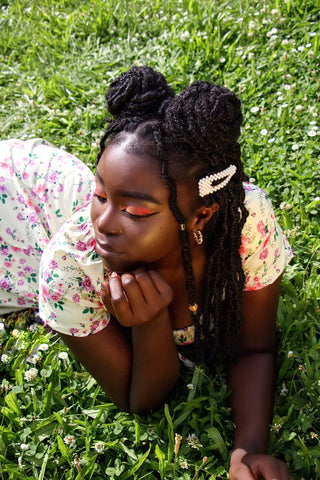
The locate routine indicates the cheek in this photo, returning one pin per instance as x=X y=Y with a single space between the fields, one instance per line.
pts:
x=94 y=211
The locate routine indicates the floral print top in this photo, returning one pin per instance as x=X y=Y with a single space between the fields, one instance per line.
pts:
x=48 y=248
x=40 y=187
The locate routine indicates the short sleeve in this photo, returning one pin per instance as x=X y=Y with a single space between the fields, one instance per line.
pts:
x=70 y=280
x=265 y=250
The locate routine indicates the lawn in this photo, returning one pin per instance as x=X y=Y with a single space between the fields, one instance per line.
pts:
x=57 y=58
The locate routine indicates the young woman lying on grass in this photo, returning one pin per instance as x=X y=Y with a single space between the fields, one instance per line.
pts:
x=174 y=248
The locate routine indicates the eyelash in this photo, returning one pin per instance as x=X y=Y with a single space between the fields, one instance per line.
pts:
x=132 y=215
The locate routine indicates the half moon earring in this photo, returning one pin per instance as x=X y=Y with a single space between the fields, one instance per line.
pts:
x=198 y=237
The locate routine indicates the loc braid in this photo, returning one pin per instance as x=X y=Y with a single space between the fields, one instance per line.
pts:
x=202 y=128
x=183 y=233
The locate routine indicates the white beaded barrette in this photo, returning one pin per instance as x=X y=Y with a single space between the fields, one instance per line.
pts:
x=205 y=183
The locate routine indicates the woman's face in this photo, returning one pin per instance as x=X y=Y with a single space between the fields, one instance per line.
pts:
x=133 y=224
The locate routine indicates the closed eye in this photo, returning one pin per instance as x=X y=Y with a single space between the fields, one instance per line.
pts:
x=138 y=212
x=100 y=197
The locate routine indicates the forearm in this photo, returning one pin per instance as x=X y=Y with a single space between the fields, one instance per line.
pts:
x=251 y=381
x=155 y=364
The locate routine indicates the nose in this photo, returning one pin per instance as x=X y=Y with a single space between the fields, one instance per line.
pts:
x=108 y=221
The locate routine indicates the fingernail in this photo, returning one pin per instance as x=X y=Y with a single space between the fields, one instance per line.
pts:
x=113 y=275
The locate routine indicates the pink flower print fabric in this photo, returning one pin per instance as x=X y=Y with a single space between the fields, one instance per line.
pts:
x=40 y=187
x=265 y=250
x=70 y=279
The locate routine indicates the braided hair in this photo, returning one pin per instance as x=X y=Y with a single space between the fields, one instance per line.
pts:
x=191 y=136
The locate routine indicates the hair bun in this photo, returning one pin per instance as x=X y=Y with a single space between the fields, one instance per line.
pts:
x=138 y=92
x=208 y=115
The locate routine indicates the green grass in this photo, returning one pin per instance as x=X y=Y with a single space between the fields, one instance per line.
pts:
x=57 y=58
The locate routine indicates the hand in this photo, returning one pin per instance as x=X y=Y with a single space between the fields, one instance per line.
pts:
x=251 y=466
x=136 y=298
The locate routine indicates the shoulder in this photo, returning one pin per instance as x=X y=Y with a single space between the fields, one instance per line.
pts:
x=265 y=250
x=70 y=279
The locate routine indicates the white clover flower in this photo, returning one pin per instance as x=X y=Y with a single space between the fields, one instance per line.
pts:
x=317 y=199
x=185 y=35
x=43 y=347
x=33 y=327
x=69 y=439
x=287 y=87
x=308 y=45
x=299 y=108
x=284 y=42
x=301 y=48
x=271 y=140
x=184 y=464
x=222 y=60
x=252 y=25
x=274 y=11
x=24 y=446
x=77 y=462
x=252 y=180
x=264 y=131
x=193 y=441
x=276 y=427
x=290 y=354
x=285 y=206
x=251 y=55
x=33 y=359
x=63 y=355
x=1 y=327
x=254 y=109
x=15 y=332
x=4 y=358
x=295 y=147
x=30 y=374
x=99 y=447
x=313 y=34
x=312 y=133
x=190 y=386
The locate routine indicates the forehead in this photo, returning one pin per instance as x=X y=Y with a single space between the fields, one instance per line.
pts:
x=121 y=170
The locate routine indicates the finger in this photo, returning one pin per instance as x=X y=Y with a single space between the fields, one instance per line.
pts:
x=119 y=300
x=106 y=297
x=147 y=286
x=134 y=294
x=162 y=286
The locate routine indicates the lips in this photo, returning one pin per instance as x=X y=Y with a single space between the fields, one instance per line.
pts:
x=104 y=249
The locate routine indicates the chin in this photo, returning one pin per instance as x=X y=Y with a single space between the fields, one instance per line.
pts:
x=122 y=268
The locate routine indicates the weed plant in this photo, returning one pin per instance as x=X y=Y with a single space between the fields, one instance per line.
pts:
x=57 y=58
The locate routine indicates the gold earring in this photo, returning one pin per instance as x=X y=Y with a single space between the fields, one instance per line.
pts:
x=198 y=237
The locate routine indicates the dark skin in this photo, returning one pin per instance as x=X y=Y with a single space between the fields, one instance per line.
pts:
x=138 y=238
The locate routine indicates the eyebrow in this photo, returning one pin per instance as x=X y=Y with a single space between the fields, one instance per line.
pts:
x=129 y=194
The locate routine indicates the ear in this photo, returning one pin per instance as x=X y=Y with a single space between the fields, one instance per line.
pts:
x=202 y=216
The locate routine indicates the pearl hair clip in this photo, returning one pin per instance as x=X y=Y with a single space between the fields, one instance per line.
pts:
x=205 y=183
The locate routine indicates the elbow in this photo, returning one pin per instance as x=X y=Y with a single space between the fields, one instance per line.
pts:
x=146 y=401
